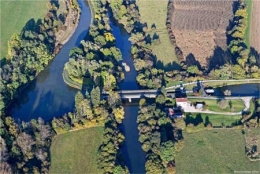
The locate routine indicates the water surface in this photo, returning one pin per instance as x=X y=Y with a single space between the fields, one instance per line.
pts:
x=48 y=96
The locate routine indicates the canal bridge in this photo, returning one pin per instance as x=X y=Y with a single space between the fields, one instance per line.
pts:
x=136 y=94
x=152 y=93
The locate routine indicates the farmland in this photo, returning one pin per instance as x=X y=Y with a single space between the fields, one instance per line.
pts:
x=254 y=26
x=214 y=151
x=200 y=28
x=76 y=152
x=157 y=16
x=19 y=12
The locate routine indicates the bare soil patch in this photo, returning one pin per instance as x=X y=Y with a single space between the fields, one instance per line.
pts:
x=255 y=26
x=200 y=27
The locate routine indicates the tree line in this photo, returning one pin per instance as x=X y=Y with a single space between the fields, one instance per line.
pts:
x=246 y=62
x=25 y=147
x=160 y=135
x=29 y=53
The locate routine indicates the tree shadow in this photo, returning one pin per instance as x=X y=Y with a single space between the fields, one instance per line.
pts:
x=219 y=58
x=148 y=39
x=30 y=25
x=167 y=67
x=191 y=120
x=255 y=53
x=153 y=26
x=191 y=60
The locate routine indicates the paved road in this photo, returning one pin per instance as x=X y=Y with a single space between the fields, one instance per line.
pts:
x=185 y=84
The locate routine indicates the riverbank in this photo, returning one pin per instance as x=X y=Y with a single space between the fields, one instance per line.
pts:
x=68 y=32
x=71 y=23
x=65 y=74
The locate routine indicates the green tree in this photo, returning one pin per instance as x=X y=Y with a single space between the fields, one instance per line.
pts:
x=167 y=152
x=95 y=96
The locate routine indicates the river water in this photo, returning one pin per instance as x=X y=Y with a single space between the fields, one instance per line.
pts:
x=48 y=96
x=132 y=151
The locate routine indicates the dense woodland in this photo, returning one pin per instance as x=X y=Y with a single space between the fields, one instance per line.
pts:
x=29 y=53
x=96 y=61
x=25 y=147
x=160 y=135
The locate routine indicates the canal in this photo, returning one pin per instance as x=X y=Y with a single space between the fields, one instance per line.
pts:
x=48 y=96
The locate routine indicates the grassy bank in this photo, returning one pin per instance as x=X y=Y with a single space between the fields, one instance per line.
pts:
x=155 y=13
x=237 y=105
x=19 y=13
x=76 y=152
x=249 y=12
x=214 y=151
x=214 y=119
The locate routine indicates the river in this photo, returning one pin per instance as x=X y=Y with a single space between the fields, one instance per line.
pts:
x=132 y=151
x=48 y=96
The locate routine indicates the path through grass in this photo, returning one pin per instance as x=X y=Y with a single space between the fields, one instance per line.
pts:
x=214 y=151
x=76 y=152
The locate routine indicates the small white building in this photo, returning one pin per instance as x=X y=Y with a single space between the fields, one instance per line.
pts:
x=183 y=102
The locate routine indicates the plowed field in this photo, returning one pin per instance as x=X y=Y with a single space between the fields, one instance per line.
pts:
x=200 y=27
x=255 y=26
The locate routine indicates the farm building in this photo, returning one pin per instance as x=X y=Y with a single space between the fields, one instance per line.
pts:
x=182 y=102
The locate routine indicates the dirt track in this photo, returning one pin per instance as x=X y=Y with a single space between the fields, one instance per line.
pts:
x=255 y=26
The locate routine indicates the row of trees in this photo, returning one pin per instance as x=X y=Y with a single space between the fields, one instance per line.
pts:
x=28 y=53
x=96 y=61
x=237 y=45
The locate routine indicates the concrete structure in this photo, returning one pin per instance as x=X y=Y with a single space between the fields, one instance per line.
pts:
x=182 y=102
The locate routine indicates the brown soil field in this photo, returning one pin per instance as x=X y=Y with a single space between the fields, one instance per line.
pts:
x=200 y=27
x=255 y=26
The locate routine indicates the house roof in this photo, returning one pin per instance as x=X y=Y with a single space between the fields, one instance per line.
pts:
x=181 y=100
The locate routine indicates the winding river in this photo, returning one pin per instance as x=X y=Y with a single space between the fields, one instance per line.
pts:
x=48 y=96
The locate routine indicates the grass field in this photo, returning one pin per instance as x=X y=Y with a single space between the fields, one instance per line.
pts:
x=14 y=16
x=249 y=12
x=213 y=105
x=154 y=12
x=76 y=152
x=214 y=119
x=214 y=151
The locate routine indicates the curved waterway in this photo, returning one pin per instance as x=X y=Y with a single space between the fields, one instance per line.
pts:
x=48 y=96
